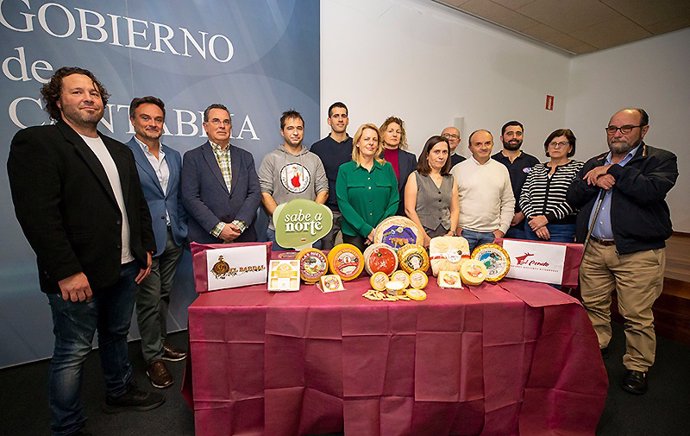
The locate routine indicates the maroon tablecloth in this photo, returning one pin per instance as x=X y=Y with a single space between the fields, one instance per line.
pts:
x=506 y=359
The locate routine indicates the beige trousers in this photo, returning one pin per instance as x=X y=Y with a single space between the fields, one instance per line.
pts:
x=638 y=279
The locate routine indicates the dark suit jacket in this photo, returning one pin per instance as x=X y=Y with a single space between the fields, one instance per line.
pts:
x=67 y=209
x=206 y=198
x=159 y=201
x=407 y=163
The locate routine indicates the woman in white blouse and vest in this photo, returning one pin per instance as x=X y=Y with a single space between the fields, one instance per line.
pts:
x=431 y=194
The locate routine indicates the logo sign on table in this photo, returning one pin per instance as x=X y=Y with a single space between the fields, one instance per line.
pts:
x=535 y=261
x=301 y=222
x=236 y=266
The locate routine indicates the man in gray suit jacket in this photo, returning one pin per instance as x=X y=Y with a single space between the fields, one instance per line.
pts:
x=220 y=187
x=159 y=168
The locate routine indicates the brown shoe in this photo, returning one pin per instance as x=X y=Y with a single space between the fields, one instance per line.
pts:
x=172 y=354
x=159 y=375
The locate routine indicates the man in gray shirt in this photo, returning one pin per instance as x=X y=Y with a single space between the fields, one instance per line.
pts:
x=291 y=171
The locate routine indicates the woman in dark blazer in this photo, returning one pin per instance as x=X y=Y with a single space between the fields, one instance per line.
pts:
x=394 y=145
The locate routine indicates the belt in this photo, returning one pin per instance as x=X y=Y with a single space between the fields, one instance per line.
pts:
x=604 y=242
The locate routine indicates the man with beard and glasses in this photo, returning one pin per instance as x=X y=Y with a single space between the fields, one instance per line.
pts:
x=519 y=164
x=77 y=196
x=624 y=222
x=159 y=168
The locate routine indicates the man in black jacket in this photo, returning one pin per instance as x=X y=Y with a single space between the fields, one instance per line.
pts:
x=78 y=200
x=625 y=221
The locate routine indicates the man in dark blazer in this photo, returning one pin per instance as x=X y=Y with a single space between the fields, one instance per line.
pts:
x=78 y=199
x=220 y=187
x=159 y=168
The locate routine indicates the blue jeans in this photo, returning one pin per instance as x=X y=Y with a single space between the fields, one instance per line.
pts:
x=516 y=232
x=74 y=324
x=476 y=239
x=558 y=232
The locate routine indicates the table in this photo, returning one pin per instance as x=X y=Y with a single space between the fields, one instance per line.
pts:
x=505 y=359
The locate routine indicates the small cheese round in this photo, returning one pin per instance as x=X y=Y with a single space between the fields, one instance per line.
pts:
x=378 y=280
x=473 y=272
x=418 y=279
x=416 y=294
x=395 y=287
x=401 y=276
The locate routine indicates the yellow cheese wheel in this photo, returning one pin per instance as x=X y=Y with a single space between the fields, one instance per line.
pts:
x=378 y=281
x=346 y=260
x=418 y=279
x=401 y=276
x=312 y=265
x=495 y=259
x=412 y=257
x=473 y=272
x=416 y=294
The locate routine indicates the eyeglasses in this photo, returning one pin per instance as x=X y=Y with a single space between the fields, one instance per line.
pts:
x=611 y=130
x=559 y=144
x=450 y=136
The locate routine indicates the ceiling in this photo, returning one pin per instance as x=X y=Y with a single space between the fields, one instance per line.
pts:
x=580 y=26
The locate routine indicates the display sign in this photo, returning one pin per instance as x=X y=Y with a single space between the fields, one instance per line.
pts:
x=233 y=267
x=535 y=261
x=301 y=222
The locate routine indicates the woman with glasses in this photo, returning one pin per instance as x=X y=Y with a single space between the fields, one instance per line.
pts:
x=431 y=194
x=394 y=142
x=542 y=199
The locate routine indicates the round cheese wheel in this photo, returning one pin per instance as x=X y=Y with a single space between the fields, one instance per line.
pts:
x=395 y=287
x=418 y=279
x=495 y=259
x=401 y=276
x=346 y=260
x=380 y=257
x=416 y=294
x=447 y=253
x=378 y=281
x=397 y=231
x=312 y=265
x=412 y=257
x=472 y=272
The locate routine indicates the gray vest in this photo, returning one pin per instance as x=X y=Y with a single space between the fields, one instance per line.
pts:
x=433 y=204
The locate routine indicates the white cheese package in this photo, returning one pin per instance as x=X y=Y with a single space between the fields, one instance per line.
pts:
x=447 y=253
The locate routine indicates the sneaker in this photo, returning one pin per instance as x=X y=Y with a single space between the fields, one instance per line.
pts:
x=133 y=399
x=172 y=354
x=158 y=374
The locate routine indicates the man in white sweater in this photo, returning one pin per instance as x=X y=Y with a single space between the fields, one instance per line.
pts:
x=487 y=203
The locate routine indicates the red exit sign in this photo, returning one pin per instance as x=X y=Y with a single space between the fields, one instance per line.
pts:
x=549 y=102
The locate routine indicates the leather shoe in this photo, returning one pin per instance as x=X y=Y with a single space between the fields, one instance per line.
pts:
x=172 y=354
x=158 y=374
x=133 y=399
x=635 y=382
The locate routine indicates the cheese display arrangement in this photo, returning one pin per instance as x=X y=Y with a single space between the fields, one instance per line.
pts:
x=495 y=259
x=380 y=258
x=447 y=253
x=312 y=265
x=401 y=276
x=418 y=279
x=413 y=257
x=473 y=272
x=378 y=281
x=397 y=231
x=346 y=260
x=449 y=279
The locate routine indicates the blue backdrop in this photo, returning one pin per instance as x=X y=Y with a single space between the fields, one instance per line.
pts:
x=259 y=58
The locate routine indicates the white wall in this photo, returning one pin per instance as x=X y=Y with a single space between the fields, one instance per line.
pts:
x=429 y=64
x=652 y=74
